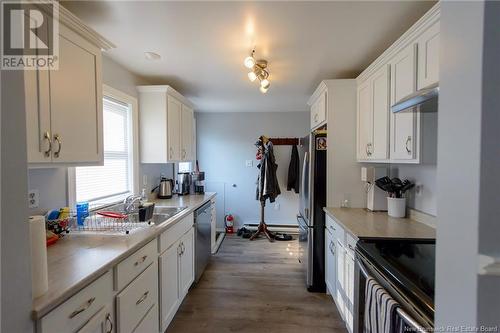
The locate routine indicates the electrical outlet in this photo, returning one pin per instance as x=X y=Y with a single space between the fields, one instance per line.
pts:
x=249 y=163
x=33 y=198
x=419 y=188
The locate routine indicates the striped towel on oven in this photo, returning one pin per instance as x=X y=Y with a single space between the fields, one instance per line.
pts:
x=380 y=309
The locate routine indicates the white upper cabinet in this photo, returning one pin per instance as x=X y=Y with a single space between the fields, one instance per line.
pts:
x=381 y=112
x=365 y=120
x=373 y=116
x=64 y=105
x=318 y=103
x=166 y=125
x=76 y=101
x=428 y=57
x=187 y=137
x=410 y=64
x=404 y=73
x=404 y=125
x=174 y=110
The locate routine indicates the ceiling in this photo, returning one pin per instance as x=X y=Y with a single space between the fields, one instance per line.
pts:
x=203 y=44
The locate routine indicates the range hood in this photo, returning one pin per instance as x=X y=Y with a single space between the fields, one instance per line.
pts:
x=417 y=98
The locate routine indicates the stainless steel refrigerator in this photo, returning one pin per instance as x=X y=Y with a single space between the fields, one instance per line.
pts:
x=311 y=217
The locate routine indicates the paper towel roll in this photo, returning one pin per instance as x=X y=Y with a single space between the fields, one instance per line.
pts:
x=39 y=273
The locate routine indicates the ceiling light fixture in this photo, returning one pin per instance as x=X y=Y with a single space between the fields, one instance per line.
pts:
x=259 y=71
x=152 y=56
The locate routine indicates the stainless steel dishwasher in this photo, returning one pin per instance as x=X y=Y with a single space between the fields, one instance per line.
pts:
x=202 y=227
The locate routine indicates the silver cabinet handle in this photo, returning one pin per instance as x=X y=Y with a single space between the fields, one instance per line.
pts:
x=143 y=298
x=140 y=261
x=331 y=248
x=331 y=227
x=368 y=149
x=183 y=248
x=46 y=136
x=408 y=140
x=82 y=308
x=350 y=247
x=57 y=138
x=316 y=117
x=108 y=320
x=171 y=153
x=179 y=250
x=184 y=154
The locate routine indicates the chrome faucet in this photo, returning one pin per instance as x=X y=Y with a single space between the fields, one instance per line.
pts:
x=129 y=202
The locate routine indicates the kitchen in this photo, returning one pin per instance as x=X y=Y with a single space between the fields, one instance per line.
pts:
x=128 y=116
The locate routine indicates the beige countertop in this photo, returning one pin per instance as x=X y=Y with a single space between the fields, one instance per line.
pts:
x=364 y=224
x=78 y=259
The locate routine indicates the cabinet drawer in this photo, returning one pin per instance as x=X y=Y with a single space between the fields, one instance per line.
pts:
x=337 y=231
x=129 y=268
x=133 y=303
x=150 y=322
x=75 y=312
x=175 y=232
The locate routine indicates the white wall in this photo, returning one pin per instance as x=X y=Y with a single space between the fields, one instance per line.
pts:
x=226 y=140
x=52 y=183
x=15 y=247
x=468 y=164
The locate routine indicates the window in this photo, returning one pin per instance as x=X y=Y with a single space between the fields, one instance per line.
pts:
x=115 y=179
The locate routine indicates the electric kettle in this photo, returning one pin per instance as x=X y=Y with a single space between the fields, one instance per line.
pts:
x=165 y=188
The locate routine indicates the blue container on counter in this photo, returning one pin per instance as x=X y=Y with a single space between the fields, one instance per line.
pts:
x=82 y=212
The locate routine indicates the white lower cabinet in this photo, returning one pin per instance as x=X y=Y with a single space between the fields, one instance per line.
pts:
x=339 y=254
x=176 y=275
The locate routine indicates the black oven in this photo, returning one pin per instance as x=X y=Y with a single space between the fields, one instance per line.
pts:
x=405 y=268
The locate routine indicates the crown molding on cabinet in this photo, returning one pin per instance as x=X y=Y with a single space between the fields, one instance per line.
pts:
x=319 y=90
x=410 y=35
x=78 y=26
x=168 y=90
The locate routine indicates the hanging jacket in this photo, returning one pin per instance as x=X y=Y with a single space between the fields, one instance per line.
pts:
x=293 y=171
x=267 y=182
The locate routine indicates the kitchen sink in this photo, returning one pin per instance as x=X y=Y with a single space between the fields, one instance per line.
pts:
x=167 y=210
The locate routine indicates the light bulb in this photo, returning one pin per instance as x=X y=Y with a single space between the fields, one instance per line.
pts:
x=249 y=62
x=263 y=90
x=265 y=84
x=252 y=76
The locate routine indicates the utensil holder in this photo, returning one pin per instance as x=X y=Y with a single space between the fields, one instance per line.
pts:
x=396 y=207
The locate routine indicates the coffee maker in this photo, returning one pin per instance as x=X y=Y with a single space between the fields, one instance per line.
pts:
x=376 y=197
x=198 y=178
x=183 y=183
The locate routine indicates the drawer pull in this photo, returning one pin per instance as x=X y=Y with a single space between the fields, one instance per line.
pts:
x=143 y=298
x=82 y=308
x=350 y=247
x=108 y=320
x=140 y=261
x=331 y=227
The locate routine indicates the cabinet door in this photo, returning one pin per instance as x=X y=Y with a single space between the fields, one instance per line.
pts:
x=322 y=105
x=101 y=322
x=314 y=115
x=38 y=131
x=169 y=284
x=330 y=264
x=186 y=133
x=403 y=124
x=349 y=276
x=76 y=101
x=149 y=324
x=186 y=273
x=340 y=293
x=365 y=121
x=403 y=73
x=381 y=112
x=174 y=109
x=428 y=57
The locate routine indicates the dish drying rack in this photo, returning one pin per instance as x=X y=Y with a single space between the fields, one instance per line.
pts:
x=101 y=221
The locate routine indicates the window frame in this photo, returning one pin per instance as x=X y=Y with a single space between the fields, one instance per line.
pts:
x=120 y=96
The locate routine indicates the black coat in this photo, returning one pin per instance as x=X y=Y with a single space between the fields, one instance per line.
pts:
x=293 y=171
x=267 y=183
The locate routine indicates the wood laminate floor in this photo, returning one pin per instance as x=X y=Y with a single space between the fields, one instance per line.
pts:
x=255 y=287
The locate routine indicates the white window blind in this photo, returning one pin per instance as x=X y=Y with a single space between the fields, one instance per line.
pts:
x=114 y=179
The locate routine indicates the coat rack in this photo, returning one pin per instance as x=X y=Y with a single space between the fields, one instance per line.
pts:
x=262 y=228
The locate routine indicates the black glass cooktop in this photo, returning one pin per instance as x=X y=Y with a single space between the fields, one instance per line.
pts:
x=410 y=262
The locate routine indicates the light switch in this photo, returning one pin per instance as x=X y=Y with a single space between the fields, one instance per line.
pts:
x=249 y=163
